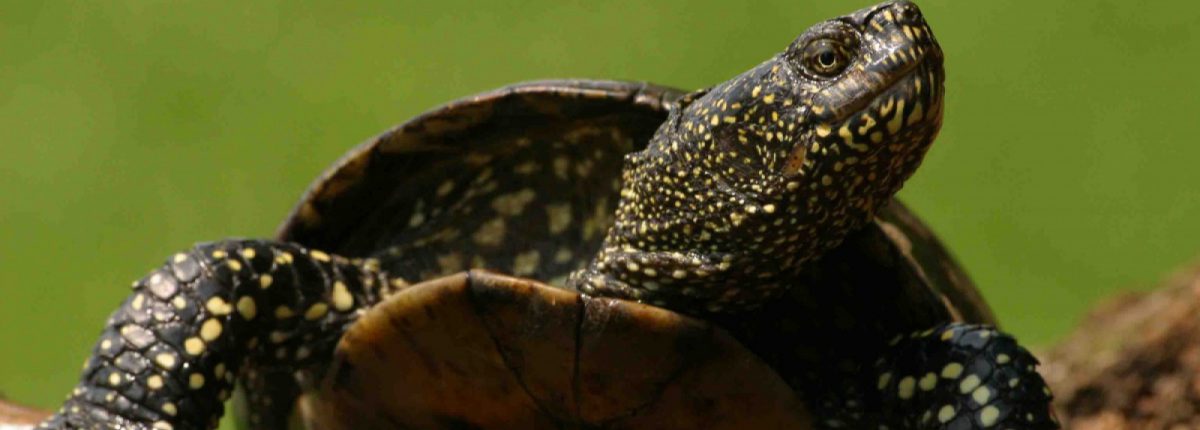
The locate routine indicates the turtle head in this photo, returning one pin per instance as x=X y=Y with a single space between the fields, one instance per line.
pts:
x=748 y=180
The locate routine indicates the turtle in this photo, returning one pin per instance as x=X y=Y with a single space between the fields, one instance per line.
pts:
x=597 y=254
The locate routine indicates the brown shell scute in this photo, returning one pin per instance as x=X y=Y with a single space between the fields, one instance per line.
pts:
x=480 y=350
x=12 y=414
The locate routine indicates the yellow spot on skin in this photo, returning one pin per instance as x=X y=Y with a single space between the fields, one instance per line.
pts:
x=928 y=381
x=952 y=371
x=193 y=346
x=905 y=388
x=893 y=125
x=169 y=409
x=284 y=312
x=179 y=258
x=165 y=360
x=154 y=382
x=138 y=301
x=526 y=263
x=969 y=383
x=769 y=98
x=769 y=208
x=945 y=414
x=754 y=92
x=234 y=265
x=218 y=306
x=947 y=335
x=106 y=344
x=162 y=425
x=445 y=188
x=981 y=395
x=210 y=330
x=848 y=139
x=563 y=255
x=249 y=253
x=491 y=233
x=179 y=302
x=247 y=308
x=989 y=415
x=887 y=107
x=450 y=263
x=513 y=204
x=114 y=379
x=917 y=114
x=316 y=311
x=1003 y=358
x=265 y=281
x=679 y=274
x=342 y=300
x=824 y=130
x=561 y=165
x=884 y=379
x=196 y=381
x=219 y=255
x=559 y=217
x=319 y=256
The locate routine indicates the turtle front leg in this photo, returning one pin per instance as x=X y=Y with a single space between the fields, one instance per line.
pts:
x=168 y=357
x=960 y=376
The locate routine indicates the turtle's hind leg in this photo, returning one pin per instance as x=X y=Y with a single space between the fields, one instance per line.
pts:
x=168 y=357
x=960 y=376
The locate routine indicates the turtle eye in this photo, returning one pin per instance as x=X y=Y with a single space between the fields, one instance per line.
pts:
x=826 y=57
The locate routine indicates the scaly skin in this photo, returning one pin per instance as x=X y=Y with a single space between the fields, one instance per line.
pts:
x=743 y=185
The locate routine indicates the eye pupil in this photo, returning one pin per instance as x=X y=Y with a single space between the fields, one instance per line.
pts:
x=827 y=59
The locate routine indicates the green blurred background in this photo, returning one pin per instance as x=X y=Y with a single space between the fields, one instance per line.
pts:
x=1066 y=170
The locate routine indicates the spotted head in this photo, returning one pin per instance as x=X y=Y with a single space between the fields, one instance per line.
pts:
x=748 y=180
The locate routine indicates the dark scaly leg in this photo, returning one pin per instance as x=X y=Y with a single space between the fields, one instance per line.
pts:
x=959 y=376
x=168 y=357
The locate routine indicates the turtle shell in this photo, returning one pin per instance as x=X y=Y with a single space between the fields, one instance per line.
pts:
x=480 y=350
x=523 y=181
